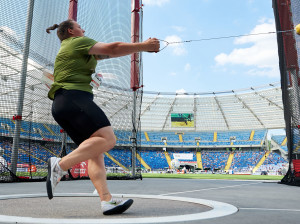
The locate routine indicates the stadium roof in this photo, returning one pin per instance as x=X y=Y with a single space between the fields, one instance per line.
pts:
x=256 y=108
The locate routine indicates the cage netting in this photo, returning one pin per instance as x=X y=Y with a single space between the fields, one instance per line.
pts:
x=24 y=85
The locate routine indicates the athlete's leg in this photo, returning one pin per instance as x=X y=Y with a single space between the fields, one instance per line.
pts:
x=101 y=141
x=90 y=129
x=92 y=150
x=97 y=174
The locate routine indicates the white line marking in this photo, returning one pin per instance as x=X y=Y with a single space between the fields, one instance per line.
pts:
x=272 y=209
x=219 y=209
x=208 y=189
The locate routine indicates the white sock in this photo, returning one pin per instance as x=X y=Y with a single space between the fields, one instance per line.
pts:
x=58 y=166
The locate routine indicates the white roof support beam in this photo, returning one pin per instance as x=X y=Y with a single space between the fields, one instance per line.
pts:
x=219 y=106
x=270 y=101
x=170 y=110
x=126 y=106
x=251 y=111
x=148 y=107
x=108 y=100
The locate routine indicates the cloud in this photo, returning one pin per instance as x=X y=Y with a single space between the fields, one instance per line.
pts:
x=267 y=72
x=155 y=2
x=179 y=28
x=173 y=74
x=180 y=91
x=262 y=54
x=199 y=33
x=177 y=48
x=187 y=67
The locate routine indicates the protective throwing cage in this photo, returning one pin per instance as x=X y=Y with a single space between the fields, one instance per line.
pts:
x=287 y=16
x=29 y=135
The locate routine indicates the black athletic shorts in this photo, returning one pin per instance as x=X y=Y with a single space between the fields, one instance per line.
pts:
x=76 y=112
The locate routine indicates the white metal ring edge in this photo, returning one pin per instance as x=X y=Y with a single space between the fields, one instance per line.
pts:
x=219 y=209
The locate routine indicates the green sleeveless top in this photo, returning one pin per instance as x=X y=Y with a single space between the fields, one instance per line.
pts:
x=73 y=65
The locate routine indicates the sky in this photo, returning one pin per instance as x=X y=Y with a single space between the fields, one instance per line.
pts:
x=214 y=65
x=220 y=64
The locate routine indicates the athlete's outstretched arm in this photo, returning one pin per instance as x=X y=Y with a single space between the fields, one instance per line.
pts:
x=118 y=49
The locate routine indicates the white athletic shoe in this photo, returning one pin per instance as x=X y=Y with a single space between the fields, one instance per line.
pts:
x=115 y=206
x=55 y=173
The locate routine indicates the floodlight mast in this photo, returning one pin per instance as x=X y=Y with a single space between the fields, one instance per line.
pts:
x=18 y=116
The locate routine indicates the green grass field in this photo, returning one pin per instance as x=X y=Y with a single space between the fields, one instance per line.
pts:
x=178 y=176
x=212 y=176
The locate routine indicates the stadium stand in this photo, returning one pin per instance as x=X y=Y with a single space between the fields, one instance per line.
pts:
x=216 y=148
x=154 y=158
x=274 y=158
x=246 y=160
x=214 y=160
x=52 y=132
x=281 y=141
x=120 y=155
x=274 y=163
x=188 y=139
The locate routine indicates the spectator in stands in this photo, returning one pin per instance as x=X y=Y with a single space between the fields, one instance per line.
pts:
x=74 y=110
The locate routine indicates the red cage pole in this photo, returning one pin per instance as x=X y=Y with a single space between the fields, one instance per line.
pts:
x=289 y=42
x=73 y=9
x=135 y=34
